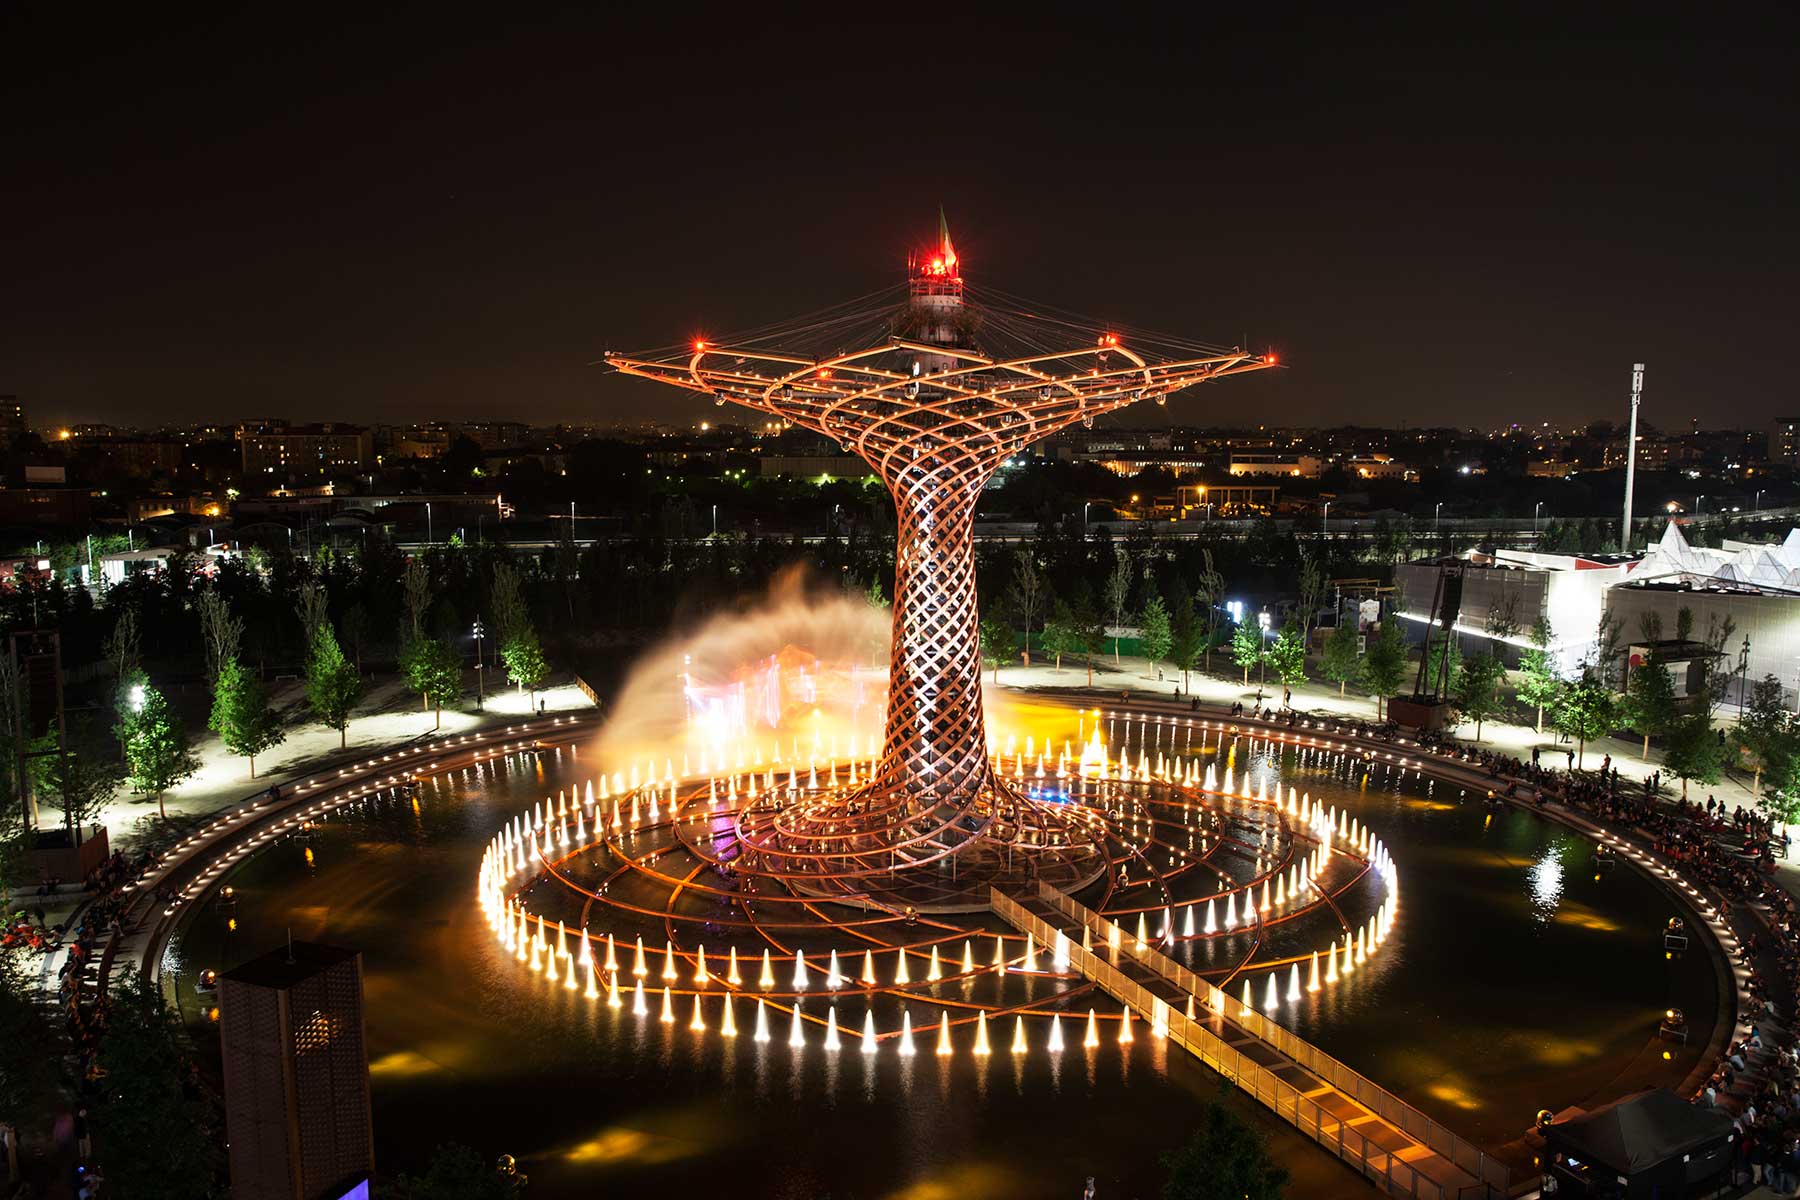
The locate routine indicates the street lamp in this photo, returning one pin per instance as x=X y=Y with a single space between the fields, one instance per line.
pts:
x=480 y=692
x=1535 y=509
x=1699 y=505
x=1084 y=517
x=1262 y=658
x=428 y=537
x=715 y=509
x=1435 y=510
x=1324 y=533
x=1756 y=505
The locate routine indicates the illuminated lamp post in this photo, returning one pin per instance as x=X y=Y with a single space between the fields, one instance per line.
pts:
x=480 y=632
x=958 y=382
x=1262 y=659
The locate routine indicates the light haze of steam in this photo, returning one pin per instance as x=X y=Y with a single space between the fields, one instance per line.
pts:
x=798 y=674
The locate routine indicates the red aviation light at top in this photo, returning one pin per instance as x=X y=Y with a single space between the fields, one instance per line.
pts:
x=939 y=265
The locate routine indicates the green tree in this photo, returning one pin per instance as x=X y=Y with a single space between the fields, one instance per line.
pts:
x=154 y=1140
x=1313 y=586
x=1477 y=695
x=1342 y=663
x=524 y=659
x=998 y=643
x=1765 y=731
x=1060 y=633
x=85 y=778
x=1225 y=1159
x=332 y=684
x=1118 y=595
x=357 y=630
x=1538 y=681
x=415 y=585
x=1093 y=635
x=1287 y=655
x=1246 y=647
x=1384 y=665
x=28 y=1070
x=157 y=756
x=1649 y=707
x=455 y=1173
x=1029 y=590
x=1585 y=709
x=1694 y=753
x=520 y=649
x=1209 y=593
x=219 y=631
x=1187 y=636
x=435 y=672
x=242 y=714
x=1154 y=634
x=1780 y=797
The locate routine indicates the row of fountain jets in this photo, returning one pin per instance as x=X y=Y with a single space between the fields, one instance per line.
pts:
x=545 y=826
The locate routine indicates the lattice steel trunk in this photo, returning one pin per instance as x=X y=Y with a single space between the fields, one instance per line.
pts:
x=935 y=747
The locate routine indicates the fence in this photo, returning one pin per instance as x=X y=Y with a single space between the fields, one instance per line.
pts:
x=1375 y=1162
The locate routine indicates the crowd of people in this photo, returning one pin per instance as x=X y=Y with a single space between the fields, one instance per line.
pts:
x=1730 y=855
x=97 y=923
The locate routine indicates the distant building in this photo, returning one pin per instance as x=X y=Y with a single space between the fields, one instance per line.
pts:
x=137 y=458
x=306 y=449
x=495 y=435
x=296 y=1074
x=1784 y=441
x=1225 y=498
x=12 y=420
x=1753 y=585
x=1303 y=466
x=165 y=504
x=1379 y=466
x=1505 y=593
x=63 y=506
x=419 y=443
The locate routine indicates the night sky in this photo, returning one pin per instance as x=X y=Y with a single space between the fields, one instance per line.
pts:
x=421 y=216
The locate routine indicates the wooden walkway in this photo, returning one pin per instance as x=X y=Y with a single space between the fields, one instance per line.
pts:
x=1392 y=1144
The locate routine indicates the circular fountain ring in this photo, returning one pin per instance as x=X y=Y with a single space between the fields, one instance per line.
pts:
x=707 y=868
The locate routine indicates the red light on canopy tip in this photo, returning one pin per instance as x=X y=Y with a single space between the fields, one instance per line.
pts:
x=1269 y=358
x=699 y=345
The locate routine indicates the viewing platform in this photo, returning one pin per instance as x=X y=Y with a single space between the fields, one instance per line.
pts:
x=1394 y=1145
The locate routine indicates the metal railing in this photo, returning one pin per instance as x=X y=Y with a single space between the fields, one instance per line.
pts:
x=1375 y=1162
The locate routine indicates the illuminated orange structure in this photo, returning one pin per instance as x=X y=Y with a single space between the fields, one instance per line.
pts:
x=942 y=384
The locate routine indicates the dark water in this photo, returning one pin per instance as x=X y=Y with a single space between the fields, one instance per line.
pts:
x=1514 y=980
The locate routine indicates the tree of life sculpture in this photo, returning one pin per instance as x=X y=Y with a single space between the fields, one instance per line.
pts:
x=938 y=388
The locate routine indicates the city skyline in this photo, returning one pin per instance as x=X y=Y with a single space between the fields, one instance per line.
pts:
x=461 y=225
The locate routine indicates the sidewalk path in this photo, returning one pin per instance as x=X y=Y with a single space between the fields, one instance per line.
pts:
x=1225 y=687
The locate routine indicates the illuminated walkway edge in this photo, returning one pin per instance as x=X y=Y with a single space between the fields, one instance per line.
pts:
x=1388 y=1141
